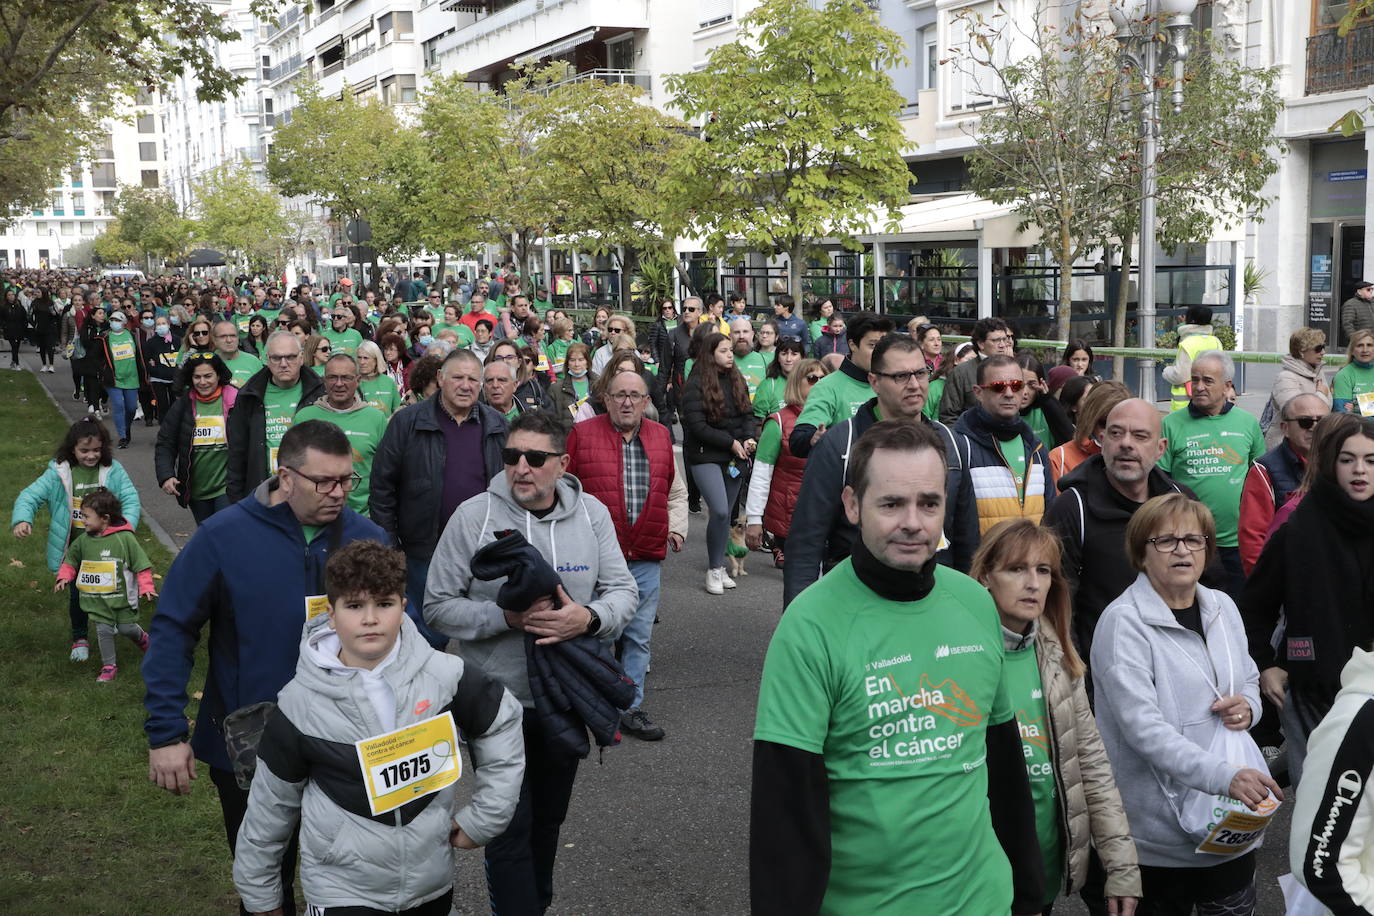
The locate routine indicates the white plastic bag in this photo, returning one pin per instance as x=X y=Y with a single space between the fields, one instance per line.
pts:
x=1298 y=900
x=1222 y=825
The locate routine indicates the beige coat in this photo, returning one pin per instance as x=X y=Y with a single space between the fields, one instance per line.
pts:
x=1090 y=807
x=1295 y=377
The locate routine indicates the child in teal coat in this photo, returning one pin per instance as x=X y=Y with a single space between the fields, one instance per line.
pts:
x=83 y=463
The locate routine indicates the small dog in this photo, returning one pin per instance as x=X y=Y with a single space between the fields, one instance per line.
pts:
x=736 y=551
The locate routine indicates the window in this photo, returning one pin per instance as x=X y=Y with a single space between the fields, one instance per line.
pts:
x=147 y=152
x=103 y=175
x=391 y=26
x=932 y=63
x=42 y=255
x=88 y=228
x=58 y=207
x=76 y=177
x=149 y=178
x=107 y=201
x=1327 y=14
x=79 y=205
x=399 y=89
x=143 y=97
x=146 y=124
x=621 y=53
x=68 y=228
x=714 y=12
x=40 y=228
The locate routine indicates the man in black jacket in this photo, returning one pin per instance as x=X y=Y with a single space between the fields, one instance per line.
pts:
x=265 y=410
x=820 y=534
x=433 y=456
x=679 y=343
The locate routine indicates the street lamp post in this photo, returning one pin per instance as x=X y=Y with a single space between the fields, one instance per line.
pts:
x=1151 y=35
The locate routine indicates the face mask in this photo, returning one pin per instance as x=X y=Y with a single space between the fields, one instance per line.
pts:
x=147 y=322
x=116 y=325
x=575 y=374
x=162 y=330
x=175 y=321
x=426 y=340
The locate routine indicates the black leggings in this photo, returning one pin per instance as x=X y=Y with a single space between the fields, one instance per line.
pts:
x=14 y=350
x=47 y=349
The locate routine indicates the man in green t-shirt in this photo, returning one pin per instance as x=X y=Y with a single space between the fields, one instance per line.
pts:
x=498 y=389
x=265 y=409
x=362 y=423
x=835 y=397
x=242 y=365
x=1211 y=446
x=751 y=365
x=341 y=337
x=888 y=774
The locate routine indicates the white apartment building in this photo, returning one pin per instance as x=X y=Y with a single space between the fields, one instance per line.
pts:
x=82 y=206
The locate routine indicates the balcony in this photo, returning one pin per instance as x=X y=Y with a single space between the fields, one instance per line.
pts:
x=638 y=78
x=523 y=29
x=1336 y=63
x=284 y=69
x=285 y=21
x=361 y=53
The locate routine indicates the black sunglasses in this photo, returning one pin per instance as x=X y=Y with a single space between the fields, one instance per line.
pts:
x=1304 y=422
x=813 y=379
x=533 y=457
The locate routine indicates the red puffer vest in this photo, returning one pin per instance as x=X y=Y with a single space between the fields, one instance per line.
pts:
x=598 y=462
x=787 y=477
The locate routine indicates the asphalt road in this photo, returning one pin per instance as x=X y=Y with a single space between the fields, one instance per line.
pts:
x=662 y=827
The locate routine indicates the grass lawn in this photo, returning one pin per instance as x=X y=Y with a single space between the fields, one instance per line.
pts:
x=82 y=831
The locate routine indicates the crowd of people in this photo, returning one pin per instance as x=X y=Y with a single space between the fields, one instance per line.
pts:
x=1040 y=637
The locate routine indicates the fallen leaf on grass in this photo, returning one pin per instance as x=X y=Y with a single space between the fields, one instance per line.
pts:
x=156 y=576
x=197 y=695
x=33 y=584
x=19 y=563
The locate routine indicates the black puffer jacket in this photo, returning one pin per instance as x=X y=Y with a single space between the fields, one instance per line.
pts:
x=407 y=483
x=709 y=442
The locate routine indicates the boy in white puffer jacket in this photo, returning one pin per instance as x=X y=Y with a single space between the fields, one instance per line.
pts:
x=378 y=839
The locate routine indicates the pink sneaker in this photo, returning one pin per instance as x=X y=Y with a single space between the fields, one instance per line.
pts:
x=143 y=643
x=107 y=674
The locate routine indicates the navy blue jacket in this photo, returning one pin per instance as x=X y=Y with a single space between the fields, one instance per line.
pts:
x=247 y=572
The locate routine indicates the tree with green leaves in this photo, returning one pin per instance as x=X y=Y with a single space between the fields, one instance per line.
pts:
x=109 y=247
x=803 y=140
x=335 y=152
x=609 y=156
x=150 y=220
x=64 y=60
x=236 y=213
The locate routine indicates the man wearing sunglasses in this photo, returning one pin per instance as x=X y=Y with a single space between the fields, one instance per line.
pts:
x=821 y=535
x=1277 y=473
x=679 y=346
x=254 y=576
x=575 y=534
x=360 y=421
x=1007 y=464
x=434 y=456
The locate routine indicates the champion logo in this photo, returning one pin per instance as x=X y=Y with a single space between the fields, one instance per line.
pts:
x=944 y=651
x=421 y=707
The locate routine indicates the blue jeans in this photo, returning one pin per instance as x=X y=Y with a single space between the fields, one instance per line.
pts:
x=634 y=642
x=417 y=572
x=124 y=404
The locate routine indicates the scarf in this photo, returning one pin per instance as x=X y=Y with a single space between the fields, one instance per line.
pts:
x=1360 y=365
x=214 y=396
x=1001 y=430
x=888 y=583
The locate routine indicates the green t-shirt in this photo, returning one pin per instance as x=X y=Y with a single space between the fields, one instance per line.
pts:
x=106 y=567
x=311 y=532
x=1351 y=382
x=580 y=388
x=1035 y=419
x=1213 y=455
x=1023 y=682
x=243 y=366
x=124 y=353
x=834 y=399
x=753 y=367
x=270 y=316
x=381 y=393
x=541 y=305
x=463 y=331
x=1014 y=451
x=241 y=322
x=279 y=410
x=936 y=391
x=770 y=443
x=345 y=341
x=513 y=413
x=84 y=481
x=897 y=698
x=209 y=450
x=768 y=397
x=557 y=351
x=364 y=428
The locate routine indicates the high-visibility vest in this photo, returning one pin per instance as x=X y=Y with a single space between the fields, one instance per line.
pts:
x=1193 y=344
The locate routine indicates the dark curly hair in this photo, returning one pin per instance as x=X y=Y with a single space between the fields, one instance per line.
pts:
x=85 y=428
x=365 y=568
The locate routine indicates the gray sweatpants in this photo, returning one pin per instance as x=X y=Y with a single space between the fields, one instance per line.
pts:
x=105 y=634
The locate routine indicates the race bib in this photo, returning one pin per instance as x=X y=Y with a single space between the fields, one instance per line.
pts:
x=78 y=520
x=1239 y=830
x=168 y=359
x=272 y=460
x=96 y=577
x=315 y=605
x=410 y=762
x=209 y=431
x=123 y=350
x=1365 y=401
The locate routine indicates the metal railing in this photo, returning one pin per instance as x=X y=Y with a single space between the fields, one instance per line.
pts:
x=285 y=21
x=639 y=78
x=1336 y=62
x=329 y=69
x=359 y=54
x=327 y=13
x=284 y=68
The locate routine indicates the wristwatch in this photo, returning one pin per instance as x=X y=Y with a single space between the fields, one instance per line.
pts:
x=593 y=623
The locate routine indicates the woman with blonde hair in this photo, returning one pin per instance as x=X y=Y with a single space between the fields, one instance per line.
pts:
x=1077 y=806
x=375 y=385
x=1300 y=373
x=1356 y=377
x=777 y=474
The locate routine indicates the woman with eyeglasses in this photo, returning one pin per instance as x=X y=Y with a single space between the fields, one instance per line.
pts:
x=1356 y=377
x=769 y=397
x=775 y=480
x=191 y=457
x=1314 y=574
x=1171 y=671
x=1299 y=373
x=720 y=428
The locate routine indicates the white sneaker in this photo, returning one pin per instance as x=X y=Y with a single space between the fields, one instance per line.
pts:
x=714 y=581
x=725 y=580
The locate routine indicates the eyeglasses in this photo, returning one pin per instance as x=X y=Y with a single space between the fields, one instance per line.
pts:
x=283 y=357
x=533 y=457
x=690 y=308
x=1000 y=339
x=903 y=378
x=340 y=378
x=1319 y=348
x=633 y=397
x=508 y=356
x=813 y=379
x=1013 y=385
x=1304 y=422
x=200 y=333
x=326 y=485
x=322 y=350
x=1166 y=543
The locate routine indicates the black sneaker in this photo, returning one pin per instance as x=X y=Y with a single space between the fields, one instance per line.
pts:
x=634 y=722
x=124 y=443
x=694 y=506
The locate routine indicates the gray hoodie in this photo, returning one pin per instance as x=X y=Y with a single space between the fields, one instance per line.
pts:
x=1154 y=710
x=577 y=538
x=308 y=771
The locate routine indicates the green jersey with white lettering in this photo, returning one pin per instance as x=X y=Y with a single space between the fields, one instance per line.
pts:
x=1213 y=455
